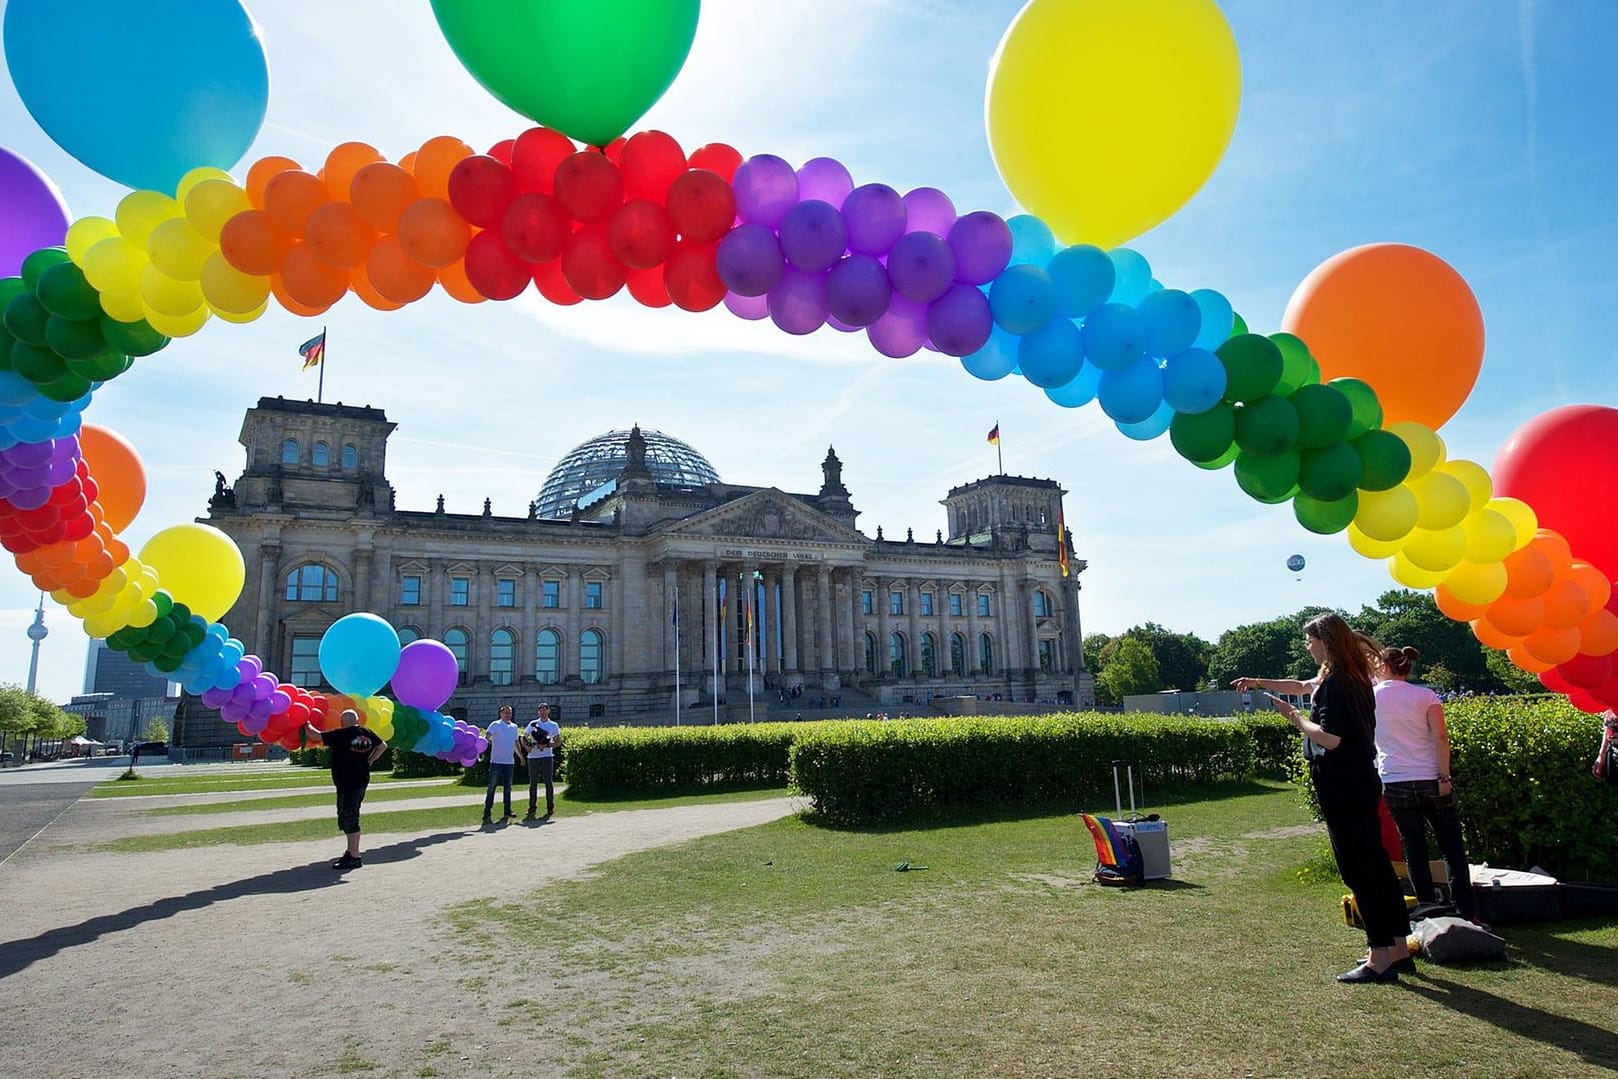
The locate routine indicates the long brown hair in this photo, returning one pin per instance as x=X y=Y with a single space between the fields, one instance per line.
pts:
x=1347 y=652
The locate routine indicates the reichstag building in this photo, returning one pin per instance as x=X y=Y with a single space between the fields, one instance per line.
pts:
x=637 y=570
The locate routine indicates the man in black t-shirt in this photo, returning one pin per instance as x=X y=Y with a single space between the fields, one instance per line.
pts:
x=353 y=750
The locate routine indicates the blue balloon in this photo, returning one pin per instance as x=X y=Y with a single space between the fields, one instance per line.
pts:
x=1114 y=336
x=1151 y=426
x=1083 y=276
x=141 y=93
x=1172 y=319
x=1081 y=390
x=996 y=359
x=1032 y=242
x=1052 y=354
x=1217 y=318
x=1134 y=276
x=1022 y=299
x=359 y=653
x=1131 y=394
x=1194 y=381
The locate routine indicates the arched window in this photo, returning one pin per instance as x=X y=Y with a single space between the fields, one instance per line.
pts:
x=896 y=655
x=1042 y=606
x=548 y=658
x=929 y=655
x=455 y=641
x=408 y=635
x=351 y=457
x=289 y=452
x=590 y=657
x=986 y=654
x=502 y=657
x=320 y=456
x=957 y=655
x=870 y=654
x=312 y=582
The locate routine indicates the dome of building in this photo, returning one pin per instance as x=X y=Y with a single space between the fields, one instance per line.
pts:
x=589 y=465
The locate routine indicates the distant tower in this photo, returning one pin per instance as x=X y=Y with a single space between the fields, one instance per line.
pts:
x=36 y=633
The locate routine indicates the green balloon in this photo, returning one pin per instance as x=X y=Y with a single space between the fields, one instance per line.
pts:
x=1238 y=325
x=1330 y=473
x=1203 y=436
x=145 y=652
x=1267 y=426
x=589 y=68
x=1230 y=454
x=10 y=289
x=1252 y=366
x=163 y=602
x=1325 y=517
x=25 y=320
x=35 y=265
x=194 y=633
x=1298 y=367
x=64 y=292
x=1363 y=401
x=69 y=387
x=1384 y=460
x=1323 y=415
x=132 y=338
x=37 y=365
x=1268 y=479
x=73 y=340
x=104 y=365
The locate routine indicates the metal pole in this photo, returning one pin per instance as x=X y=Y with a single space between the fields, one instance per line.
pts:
x=999 y=455
x=677 y=653
x=752 y=594
x=717 y=608
x=320 y=388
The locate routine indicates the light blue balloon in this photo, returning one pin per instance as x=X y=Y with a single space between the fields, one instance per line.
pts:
x=68 y=425
x=141 y=93
x=31 y=429
x=1194 y=381
x=1032 y=241
x=15 y=390
x=1052 y=354
x=1022 y=299
x=1151 y=426
x=359 y=653
x=996 y=359
x=1114 y=336
x=1172 y=319
x=1081 y=390
x=1133 y=393
x=1217 y=318
x=1134 y=276
x=1083 y=276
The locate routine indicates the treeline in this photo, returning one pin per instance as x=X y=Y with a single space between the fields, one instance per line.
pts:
x=1149 y=658
x=27 y=719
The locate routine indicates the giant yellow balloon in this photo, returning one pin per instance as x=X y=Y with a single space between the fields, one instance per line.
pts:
x=1106 y=116
x=198 y=565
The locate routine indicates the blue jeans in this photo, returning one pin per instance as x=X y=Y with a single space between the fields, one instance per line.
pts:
x=498 y=773
x=1413 y=805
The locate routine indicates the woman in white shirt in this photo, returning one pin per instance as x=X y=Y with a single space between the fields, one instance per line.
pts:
x=1412 y=758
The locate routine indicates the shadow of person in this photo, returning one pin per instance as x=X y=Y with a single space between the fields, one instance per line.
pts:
x=1547 y=950
x=1595 y=1045
x=18 y=955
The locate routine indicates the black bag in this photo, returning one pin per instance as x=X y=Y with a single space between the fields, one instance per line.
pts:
x=1609 y=761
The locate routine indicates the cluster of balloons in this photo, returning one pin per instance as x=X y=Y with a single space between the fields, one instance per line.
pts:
x=51 y=331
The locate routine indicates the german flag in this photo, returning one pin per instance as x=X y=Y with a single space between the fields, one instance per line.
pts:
x=1061 y=541
x=313 y=350
x=994 y=435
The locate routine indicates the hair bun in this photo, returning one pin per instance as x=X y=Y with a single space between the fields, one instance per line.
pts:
x=1410 y=653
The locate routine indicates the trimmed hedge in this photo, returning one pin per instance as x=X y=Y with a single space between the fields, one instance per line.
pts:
x=420 y=766
x=655 y=760
x=320 y=757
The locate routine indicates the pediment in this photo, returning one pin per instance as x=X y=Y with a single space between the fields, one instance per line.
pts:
x=770 y=514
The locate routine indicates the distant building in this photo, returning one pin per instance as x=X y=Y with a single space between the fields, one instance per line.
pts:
x=120 y=697
x=109 y=671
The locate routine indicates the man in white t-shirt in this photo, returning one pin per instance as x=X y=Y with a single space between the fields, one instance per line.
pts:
x=543 y=736
x=502 y=735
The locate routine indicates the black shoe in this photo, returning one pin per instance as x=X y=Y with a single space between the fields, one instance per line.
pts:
x=1407 y=965
x=1365 y=972
x=347 y=862
x=532 y=813
x=487 y=819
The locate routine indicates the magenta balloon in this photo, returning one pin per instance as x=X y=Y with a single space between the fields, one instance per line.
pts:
x=959 y=322
x=858 y=291
x=921 y=266
x=752 y=308
x=813 y=236
x=32 y=212
x=928 y=209
x=798 y=303
x=902 y=330
x=826 y=179
x=749 y=260
x=982 y=245
x=876 y=218
x=766 y=188
x=426 y=675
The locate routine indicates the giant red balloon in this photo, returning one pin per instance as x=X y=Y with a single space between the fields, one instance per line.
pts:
x=1563 y=463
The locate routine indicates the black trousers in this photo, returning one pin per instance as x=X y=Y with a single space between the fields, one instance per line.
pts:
x=1348 y=802
x=542 y=770
x=1414 y=805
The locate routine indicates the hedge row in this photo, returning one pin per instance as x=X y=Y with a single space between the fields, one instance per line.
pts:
x=655 y=760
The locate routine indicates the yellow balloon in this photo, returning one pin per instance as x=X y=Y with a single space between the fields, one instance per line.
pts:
x=1522 y=517
x=114 y=264
x=144 y=614
x=228 y=290
x=211 y=203
x=102 y=626
x=1426 y=448
x=177 y=325
x=85 y=233
x=198 y=565
x=1105 y=117
x=1386 y=516
x=1489 y=535
x=1411 y=575
x=1438 y=550
x=142 y=211
x=1371 y=548
x=167 y=296
x=1477 y=583
x=1479 y=487
x=1441 y=500
x=199 y=175
x=177 y=250
x=244 y=317
x=123 y=306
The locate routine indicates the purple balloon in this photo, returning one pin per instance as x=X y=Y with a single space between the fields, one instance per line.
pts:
x=749 y=260
x=858 y=291
x=766 y=188
x=752 y=308
x=959 y=322
x=253 y=724
x=215 y=697
x=902 y=331
x=36 y=454
x=982 y=245
x=928 y=209
x=921 y=266
x=826 y=179
x=426 y=675
x=280 y=701
x=59 y=472
x=249 y=667
x=876 y=218
x=813 y=236
x=798 y=303
x=840 y=326
x=32 y=212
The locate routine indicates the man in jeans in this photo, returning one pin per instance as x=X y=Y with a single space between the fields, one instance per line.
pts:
x=543 y=737
x=502 y=735
x=353 y=750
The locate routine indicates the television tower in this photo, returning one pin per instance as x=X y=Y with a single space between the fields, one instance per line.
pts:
x=36 y=633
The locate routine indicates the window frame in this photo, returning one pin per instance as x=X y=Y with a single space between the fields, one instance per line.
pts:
x=505 y=592
x=555 y=646
x=592 y=647
x=408 y=596
x=305 y=662
x=502 y=668
x=328 y=586
x=460 y=591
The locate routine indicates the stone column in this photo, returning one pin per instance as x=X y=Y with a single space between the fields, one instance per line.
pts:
x=1030 y=626
x=435 y=599
x=526 y=661
x=268 y=647
x=913 y=649
x=575 y=623
x=974 y=656
x=1074 y=644
x=745 y=636
x=671 y=603
x=883 y=660
x=825 y=609
x=710 y=622
x=362 y=576
x=770 y=618
x=789 y=618
x=851 y=631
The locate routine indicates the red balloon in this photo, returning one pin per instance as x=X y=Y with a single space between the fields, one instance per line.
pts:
x=652 y=161
x=535 y=155
x=642 y=234
x=493 y=268
x=648 y=288
x=535 y=227
x=480 y=189
x=552 y=285
x=590 y=266
x=1586 y=672
x=614 y=150
x=501 y=151
x=1555 y=681
x=702 y=206
x=589 y=187
x=692 y=276
x=1562 y=463
x=718 y=157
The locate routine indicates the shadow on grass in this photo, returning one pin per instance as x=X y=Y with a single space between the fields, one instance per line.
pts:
x=611 y=797
x=1548 y=951
x=1595 y=1045
x=18 y=955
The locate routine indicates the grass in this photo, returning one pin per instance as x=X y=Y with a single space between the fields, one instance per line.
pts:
x=139 y=786
x=793 y=950
x=391 y=793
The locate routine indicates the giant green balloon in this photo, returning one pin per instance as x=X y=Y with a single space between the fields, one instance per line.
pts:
x=589 y=68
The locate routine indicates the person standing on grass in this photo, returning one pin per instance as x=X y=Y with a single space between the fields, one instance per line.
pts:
x=354 y=748
x=1609 y=738
x=543 y=735
x=502 y=735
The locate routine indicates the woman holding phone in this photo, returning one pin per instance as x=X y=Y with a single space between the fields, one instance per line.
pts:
x=1340 y=742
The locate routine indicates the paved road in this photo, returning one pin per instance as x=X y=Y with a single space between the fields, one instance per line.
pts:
x=26 y=807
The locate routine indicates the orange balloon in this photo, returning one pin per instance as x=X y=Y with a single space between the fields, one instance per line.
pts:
x=52 y=556
x=291 y=305
x=1455 y=609
x=252 y=244
x=261 y=173
x=433 y=233
x=408 y=162
x=83 y=588
x=1554 y=546
x=1529 y=572
x=1551 y=645
x=453 y=280
x=434 y=162
x=1397 y=317
x=346 y=159
x=1515 y=616
x=1596 y=586
x=339 y=236
x=1598 y=634
x=290 y=197
x=1485 y=632
x=360 y=282
x=310 y=281
x=116 y=468
x=1520 y=655
x=1566 y=605
x=380 y=193
x=395 y=274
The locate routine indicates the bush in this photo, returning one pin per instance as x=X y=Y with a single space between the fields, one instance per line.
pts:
x=420 y=765
x=320 y=757
x=478 y=774
x=1277 y=745
x=655 y=760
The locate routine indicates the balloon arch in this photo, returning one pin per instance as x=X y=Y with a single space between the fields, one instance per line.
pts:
x=1325 y=415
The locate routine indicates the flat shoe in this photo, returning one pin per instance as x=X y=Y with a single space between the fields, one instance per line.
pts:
x=1367 y=973
x=1407 y=965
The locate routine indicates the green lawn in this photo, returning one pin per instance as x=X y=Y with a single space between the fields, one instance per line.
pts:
x=392 y=792
x=221 y=782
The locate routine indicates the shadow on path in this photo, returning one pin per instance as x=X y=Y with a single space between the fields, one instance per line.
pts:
x=18 y=955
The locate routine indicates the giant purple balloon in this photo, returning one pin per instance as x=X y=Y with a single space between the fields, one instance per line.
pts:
x=426 y=675
x=32 y=213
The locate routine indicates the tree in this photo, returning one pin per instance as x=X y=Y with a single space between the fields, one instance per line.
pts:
x=1405 y=618
x=24 y=715
x=1272 y=649
x=1509 y=676
x=1182 y=658
x=1131 y=669
x=1094 y=643
x=156 y=730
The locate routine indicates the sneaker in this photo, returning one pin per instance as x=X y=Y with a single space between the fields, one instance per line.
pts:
x=347 y=862
x=487 y=819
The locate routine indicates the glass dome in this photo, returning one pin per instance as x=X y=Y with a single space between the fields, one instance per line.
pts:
x=590 y=465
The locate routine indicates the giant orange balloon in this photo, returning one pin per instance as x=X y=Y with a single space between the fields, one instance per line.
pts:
x=116 y=468
x=1397 y=317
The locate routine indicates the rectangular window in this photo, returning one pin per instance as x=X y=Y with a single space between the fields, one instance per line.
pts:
x=955 y=608
x=1042 y=609
x=592 y=595
x=550 y=593
x=410 y=592
x=983 y=606
x=1047 y=662
x=926 y=603
x=505 y=593
x=896 y=603
x=460 y=591
x=305 y=662
x=867 y=601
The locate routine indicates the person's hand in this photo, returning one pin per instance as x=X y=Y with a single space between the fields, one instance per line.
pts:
x=1599 y=769
x=1445 y=784
x=1245 y=684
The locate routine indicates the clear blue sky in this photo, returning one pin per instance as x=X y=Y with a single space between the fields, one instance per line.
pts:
x=1478 y=129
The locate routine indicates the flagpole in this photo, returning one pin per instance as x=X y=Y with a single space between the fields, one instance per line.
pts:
x=999 y=455
x=677 y=701
x=718 y=610
x=320 y=389
x=752 y=594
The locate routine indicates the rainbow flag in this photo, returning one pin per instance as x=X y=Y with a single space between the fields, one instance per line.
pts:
x=313 y=350
x=1110 y=850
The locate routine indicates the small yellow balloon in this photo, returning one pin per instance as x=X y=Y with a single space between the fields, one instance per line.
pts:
x=198 y=565
x=200 y=175
x=1479 y=487
x=143 y=614
x=1426 y=448
x=1436 y=550
x=166 y=296
x=1386 y=516
x=228 y=290
x=177 y=325
x=177 y=250
x=85 y=233
x=1411 y=575
x=1477 y=583
x=1489 y=535
x=1522 y=517
x=1105 y=117
x=211 y=203
x=123 y=306
x=114 y=264
x=244 y=317
x=1441 y=500
x=1371 y=548
x=140 y=212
